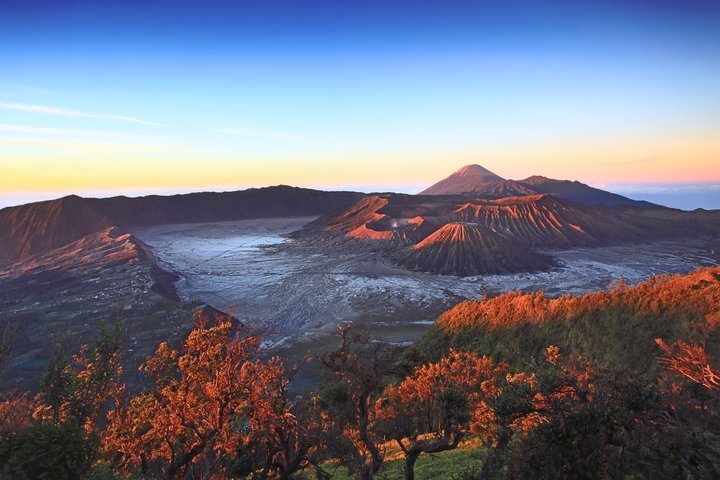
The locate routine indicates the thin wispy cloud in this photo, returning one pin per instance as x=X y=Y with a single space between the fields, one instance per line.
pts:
x=49 y=110
x=80 y=140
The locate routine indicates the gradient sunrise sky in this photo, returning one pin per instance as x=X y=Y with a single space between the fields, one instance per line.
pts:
x=101 y=98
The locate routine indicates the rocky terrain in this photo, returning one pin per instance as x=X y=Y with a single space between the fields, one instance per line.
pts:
x=65 y=303
x=40 y=227
x=296 y=262
x=68 y=265
x=504 y=234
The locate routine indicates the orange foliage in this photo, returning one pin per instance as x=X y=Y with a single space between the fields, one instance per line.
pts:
x=575 y=385
x=662 y=295
x=418 y=395
x=95 y=380
x=210 y=401
x=690 y=361
x=431 y=410
x=16 y=411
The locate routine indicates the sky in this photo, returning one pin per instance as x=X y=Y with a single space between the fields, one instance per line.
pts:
x=138 y=97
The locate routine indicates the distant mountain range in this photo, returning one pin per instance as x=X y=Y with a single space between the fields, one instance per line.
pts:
x=473 y=222
x=474 y=180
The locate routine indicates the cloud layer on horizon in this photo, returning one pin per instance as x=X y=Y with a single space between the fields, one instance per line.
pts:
x=686 y=196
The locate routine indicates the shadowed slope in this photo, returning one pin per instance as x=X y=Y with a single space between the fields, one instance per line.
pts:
x=106 y=246
x=507 y=188
x=543 y=221
x=577 y=192
x=379 y=217
x=278 y=201
x=359 y=214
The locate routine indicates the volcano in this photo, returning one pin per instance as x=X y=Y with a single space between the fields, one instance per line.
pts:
x=466 y=249
x=467 y=180
x=470 y=235
x=476 y=181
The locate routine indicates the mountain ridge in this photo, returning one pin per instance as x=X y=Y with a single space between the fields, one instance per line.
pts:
x=489 y=185
x=39 y=227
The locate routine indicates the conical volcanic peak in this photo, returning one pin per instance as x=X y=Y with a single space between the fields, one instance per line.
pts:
x=465 y=249
x=454 y=233
x=477 y=171
x=468 y=179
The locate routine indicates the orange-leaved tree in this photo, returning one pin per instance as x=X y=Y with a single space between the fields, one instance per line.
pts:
x=431 y=410
x=345 y=403
x=278 y=443
x=211 y=403
x=56 y=433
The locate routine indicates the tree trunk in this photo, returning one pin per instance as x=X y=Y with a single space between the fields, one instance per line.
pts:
x=410 y=458
x=375 y=456
x=492 y=460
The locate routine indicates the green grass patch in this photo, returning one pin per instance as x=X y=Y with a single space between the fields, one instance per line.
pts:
x=444 y=465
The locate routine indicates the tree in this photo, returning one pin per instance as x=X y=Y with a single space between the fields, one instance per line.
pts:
x=77 y=389
x=278 y=444
x=356 y=374
x=431 y=410
x=581 y=422
x=214 y=410
x=56 y=434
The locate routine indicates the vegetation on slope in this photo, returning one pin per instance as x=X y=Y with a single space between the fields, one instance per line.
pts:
x=616 y=328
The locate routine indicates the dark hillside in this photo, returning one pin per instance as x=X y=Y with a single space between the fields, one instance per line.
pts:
x=279 y=201
x=40 y=227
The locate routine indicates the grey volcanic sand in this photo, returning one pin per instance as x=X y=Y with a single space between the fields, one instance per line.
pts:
x=299 y=296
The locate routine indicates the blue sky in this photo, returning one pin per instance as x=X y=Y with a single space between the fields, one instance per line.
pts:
x=108 y=97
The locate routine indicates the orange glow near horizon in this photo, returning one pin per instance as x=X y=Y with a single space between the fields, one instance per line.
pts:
x=74 y=170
